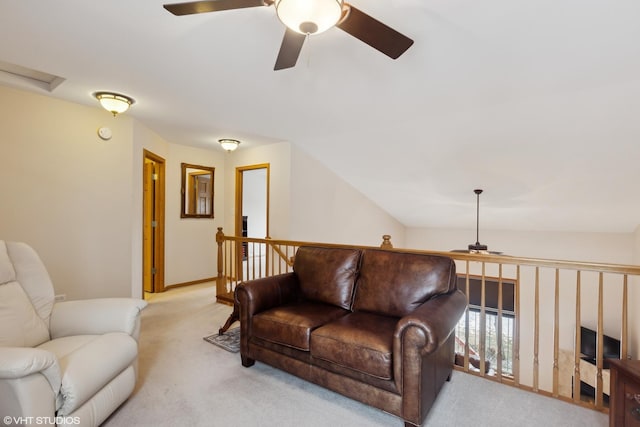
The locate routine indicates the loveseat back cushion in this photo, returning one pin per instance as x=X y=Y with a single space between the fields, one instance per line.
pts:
x=395 y=283
x=327 y=274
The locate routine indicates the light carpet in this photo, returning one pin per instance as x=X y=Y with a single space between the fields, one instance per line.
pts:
x=185 y=381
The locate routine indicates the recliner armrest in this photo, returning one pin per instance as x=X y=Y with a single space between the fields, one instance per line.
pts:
x=19 y=362
x=261 y=294
x=96 y=316
x=435 y=318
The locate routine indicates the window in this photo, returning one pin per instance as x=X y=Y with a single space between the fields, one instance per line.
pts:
x=488 y=324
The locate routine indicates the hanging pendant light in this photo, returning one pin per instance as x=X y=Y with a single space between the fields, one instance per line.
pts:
x=477 y=247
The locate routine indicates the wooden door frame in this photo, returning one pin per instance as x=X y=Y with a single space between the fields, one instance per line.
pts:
x=238 y=216
x=159 y=208
x=238 y=213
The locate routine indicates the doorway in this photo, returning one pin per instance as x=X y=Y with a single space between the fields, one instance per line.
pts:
x=153 y=178
x=251 y=214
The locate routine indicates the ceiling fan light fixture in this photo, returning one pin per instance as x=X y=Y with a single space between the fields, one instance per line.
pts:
x=115 y=103
x=309 y=16
x=477 y=247
x=229 y=144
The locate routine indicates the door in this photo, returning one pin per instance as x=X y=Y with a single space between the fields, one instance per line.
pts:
x=153 y=223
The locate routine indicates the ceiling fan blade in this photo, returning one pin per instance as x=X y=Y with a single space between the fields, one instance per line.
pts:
x=210 y=6
x=374 y=33
x=289 y=49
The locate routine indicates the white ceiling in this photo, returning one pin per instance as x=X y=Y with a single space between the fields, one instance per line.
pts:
x=536 y=102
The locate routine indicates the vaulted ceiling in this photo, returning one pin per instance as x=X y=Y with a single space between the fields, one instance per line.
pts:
x=536 y=102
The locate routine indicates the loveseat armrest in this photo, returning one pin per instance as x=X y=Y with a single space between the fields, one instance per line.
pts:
x=435 y=319
x=258 y=295
x=96 y=316
x=20 y=362
x=423 y=352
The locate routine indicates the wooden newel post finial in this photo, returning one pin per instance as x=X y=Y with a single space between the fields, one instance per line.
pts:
x=386 y=242
x=221 y=283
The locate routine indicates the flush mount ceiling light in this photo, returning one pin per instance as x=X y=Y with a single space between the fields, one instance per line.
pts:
x=309 y=16
x=114 y=102
x=229 y=144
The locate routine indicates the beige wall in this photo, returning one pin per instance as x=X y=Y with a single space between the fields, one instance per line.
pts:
x=189 y=242
x=66 y=192
x=596 y=247
x=78 y=200
x=326 y=209
x=308 y=202
x=278 y=156
x=192 y=254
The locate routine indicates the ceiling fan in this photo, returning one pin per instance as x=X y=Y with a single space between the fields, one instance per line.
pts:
x=305 y=17
x=477 y=247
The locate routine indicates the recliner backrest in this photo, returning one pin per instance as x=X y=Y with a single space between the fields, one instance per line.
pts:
x=26 y=296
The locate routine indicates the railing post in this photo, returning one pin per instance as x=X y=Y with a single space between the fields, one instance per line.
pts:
x=221 y=283
x=386 y=242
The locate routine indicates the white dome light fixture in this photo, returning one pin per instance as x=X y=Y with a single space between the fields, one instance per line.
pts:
x=115 y=103
x=229 y=144
x=309 y=16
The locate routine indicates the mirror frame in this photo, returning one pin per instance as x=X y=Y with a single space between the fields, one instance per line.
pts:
x=183 y=190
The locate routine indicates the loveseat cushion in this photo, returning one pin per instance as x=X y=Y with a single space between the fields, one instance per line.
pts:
x=359 y=341
x=327 y=274
x=88 y=363
x=395 y=283
x=291 y=325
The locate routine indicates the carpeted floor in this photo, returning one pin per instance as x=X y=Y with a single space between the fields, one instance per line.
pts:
x=186 y=381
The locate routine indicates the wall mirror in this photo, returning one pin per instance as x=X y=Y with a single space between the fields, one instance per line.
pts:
x=197 y=191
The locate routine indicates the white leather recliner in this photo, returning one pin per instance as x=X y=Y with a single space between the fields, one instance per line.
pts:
x=61 y=363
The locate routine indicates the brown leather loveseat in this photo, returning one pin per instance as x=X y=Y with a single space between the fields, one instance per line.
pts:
x=373 y=325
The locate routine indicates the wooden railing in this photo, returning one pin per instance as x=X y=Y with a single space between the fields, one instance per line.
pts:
x=522 y=326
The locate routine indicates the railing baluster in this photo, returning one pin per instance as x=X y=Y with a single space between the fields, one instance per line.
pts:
x=536 y=330
x=268 y=258
x=556 y=334
x=516 y=346
x=253 y=260
x=624 y=334
x=599 y=353
x=499 y=325
x=466 y=321
x=483 y=325
x=577 y=345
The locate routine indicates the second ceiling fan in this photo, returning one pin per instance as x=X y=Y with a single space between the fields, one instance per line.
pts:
x=306 y=17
